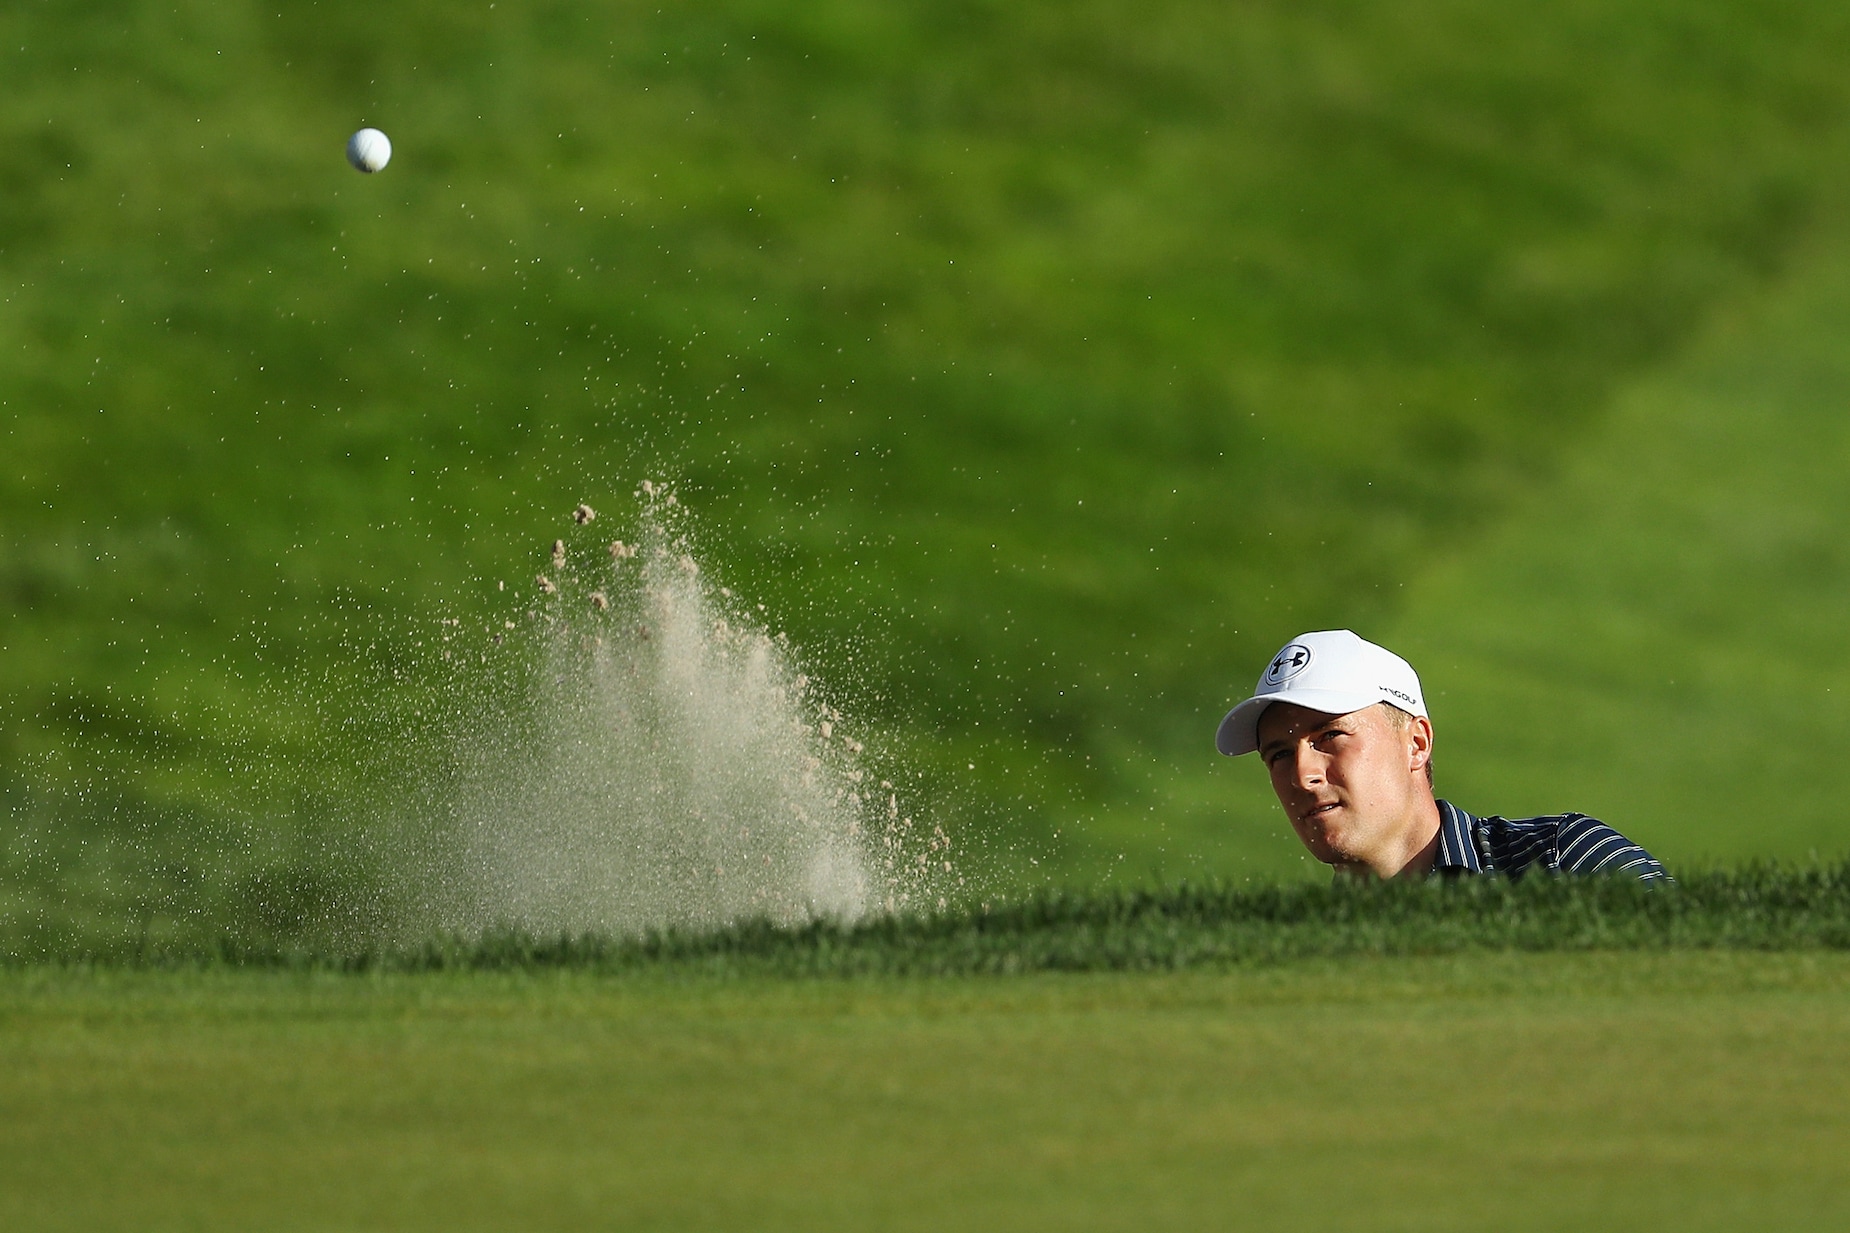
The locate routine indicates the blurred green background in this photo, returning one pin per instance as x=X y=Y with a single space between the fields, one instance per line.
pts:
x=1040 y=366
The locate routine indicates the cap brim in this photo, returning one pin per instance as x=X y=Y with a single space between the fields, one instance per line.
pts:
x=1239 y=731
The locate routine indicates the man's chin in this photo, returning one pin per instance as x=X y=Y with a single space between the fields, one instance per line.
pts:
x=1324 y=842
x=1325 y=852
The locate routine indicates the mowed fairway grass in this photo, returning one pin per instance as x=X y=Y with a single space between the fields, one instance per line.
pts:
x=1684 y=1090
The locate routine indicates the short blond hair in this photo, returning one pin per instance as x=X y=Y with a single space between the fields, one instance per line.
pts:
x=1402 y=720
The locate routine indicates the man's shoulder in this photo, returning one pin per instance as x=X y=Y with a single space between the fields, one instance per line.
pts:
x=1548 y=824
x=1562 y=842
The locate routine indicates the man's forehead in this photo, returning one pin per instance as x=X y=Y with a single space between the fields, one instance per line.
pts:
x=1284 y=720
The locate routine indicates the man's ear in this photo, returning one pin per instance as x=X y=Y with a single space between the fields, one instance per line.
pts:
x=1419 y=743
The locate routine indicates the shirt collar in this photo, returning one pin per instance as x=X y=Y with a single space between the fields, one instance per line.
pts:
x=1457 y=849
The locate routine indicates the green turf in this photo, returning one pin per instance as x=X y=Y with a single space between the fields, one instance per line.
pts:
x=1764 y=908
x=1040 y=366
x=1675 y=1091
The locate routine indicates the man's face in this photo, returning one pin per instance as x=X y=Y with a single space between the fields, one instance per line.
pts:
x=1349 y=783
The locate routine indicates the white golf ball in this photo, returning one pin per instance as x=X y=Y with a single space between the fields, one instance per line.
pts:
x=369 y=150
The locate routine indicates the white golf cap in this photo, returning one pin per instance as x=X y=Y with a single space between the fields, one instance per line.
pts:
x=1332 y=671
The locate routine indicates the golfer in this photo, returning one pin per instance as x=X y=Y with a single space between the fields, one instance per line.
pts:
x=1341 y=726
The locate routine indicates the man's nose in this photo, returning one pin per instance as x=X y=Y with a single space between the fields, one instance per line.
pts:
x=1309 y=767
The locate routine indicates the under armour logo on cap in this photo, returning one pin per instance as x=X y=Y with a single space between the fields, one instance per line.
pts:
x=1290 y=661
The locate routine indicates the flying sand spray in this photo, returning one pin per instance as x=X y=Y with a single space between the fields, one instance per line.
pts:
x=674 y=767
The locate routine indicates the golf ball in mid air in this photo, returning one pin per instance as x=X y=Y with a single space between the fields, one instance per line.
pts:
x=369 y=150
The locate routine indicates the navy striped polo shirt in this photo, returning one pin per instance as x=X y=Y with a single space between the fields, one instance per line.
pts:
x=1558 y=843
